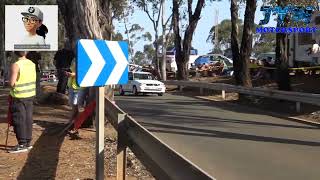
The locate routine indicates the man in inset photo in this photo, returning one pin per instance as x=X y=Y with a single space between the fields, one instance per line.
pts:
x=32 y=20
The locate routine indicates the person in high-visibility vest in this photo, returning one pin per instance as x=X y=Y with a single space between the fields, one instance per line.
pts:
x=76 y=96
x=23 y=90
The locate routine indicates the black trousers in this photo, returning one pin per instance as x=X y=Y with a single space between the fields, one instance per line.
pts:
x=22 y=111
x=63 y=80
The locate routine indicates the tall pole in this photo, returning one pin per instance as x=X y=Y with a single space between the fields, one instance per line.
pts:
x=216 y=31
x=164 y=44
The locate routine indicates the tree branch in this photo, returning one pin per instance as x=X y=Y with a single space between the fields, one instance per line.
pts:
x=190 y=8
x=175 y=24
x=145 y=9
x=158 y=19
x=168 y=34
x=197 y=11
x=167 y=21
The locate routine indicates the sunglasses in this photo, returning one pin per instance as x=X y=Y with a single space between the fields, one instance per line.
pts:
x=30 y=19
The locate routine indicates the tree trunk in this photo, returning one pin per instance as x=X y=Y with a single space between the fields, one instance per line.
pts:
x=128 y=40
x=282 y=63
x=183 y=53
x=246 y=44
x=282 y=60
x=164 y=44
x=182 y=73
x=88 y=19
x=156 y=45
x=237 y=64
x=81 y=20
x=3 y=63
x=177 y=40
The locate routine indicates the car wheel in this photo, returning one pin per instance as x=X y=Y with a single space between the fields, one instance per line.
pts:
x=134 y=90
x=121 y=91
x=160 y=94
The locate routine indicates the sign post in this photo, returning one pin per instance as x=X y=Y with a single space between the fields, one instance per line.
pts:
x=101 y=63
x=100 y=133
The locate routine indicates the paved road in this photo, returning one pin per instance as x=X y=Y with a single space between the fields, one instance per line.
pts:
x=230 y=142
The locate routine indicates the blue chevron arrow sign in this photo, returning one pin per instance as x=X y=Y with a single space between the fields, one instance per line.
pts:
x=101 y=63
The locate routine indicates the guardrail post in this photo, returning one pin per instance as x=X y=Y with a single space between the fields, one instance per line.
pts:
x=201 y=91
x=223 y=93
x=121 y=149
x=298 y=107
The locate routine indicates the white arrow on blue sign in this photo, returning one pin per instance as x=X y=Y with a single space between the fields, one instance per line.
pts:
x=101 y=63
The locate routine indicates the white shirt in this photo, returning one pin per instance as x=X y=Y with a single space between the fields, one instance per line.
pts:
x=33 y=40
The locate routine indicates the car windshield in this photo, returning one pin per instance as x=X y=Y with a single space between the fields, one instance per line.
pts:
x=138 y=76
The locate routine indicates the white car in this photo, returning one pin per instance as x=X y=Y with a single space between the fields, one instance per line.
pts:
x=142 y=82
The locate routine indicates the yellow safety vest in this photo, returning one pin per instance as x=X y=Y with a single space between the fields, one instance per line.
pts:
x=72 y=83
x=25 y=86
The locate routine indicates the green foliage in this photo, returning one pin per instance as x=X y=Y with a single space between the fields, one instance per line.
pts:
x=135 y=28
x=120 y=8
x=149 y=51
x=134 y=35
x=170 y=40
x=224 y=31
x=147 y=36
x=266 y=43
x=145 y=57
x=139 y=58
x=117 y=37
x=147 y=5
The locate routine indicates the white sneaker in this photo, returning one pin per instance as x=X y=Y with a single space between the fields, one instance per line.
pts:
x=29 y=147
x=18 y=149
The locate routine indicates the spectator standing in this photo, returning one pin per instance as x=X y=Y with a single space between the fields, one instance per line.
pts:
x=62 y=61
x=76 y=97
x=23 y=90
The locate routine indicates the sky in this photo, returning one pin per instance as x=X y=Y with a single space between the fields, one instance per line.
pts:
x=204 y=25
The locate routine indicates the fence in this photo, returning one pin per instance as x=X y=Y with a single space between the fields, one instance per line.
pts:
x=297 y=97
x=162 y=161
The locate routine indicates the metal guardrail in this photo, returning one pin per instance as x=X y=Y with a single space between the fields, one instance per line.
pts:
x=297 y=97
x=161 y=160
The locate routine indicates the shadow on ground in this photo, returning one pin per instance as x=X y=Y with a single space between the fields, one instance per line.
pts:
x=43 y=158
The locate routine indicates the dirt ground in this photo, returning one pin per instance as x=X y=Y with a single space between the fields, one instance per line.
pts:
x=54 y=157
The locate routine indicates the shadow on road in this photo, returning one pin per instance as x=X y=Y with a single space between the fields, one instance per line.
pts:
x=191 y=112
x=266 y=104
x=173 y=129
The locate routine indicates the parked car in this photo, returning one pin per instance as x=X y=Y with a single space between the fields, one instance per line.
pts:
x=213 y=59
x=48 y=77
x=142 y=82
x=269 y=57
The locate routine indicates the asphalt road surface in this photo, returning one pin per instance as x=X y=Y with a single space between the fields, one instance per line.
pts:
x=230 y=142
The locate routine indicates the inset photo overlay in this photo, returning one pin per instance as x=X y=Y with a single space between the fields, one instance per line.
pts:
x=31 y=28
